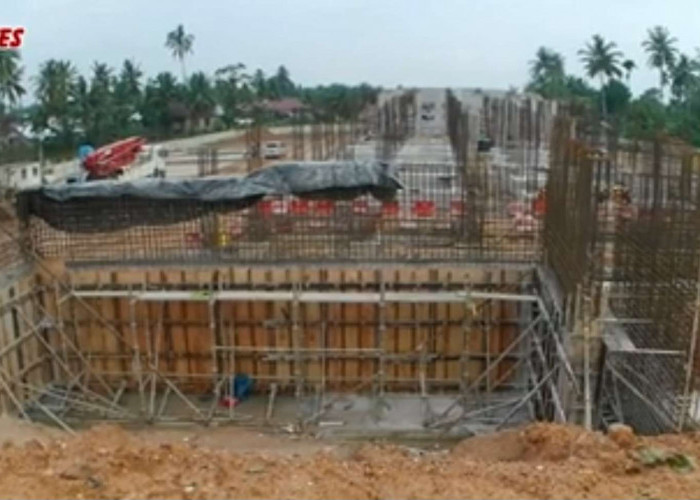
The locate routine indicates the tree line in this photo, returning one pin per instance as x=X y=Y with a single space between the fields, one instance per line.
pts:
x=70 y=108
x=672 y=108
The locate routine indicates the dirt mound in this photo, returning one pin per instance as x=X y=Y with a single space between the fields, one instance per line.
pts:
x=17 y=431
x=559 y=442
x=501 y=446
x=539 y=442
x=538 y=461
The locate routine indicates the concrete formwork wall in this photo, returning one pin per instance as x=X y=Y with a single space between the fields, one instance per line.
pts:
x=340 y=344
x=23 y=359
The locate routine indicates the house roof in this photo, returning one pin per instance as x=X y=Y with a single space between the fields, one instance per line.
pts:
x=287 y=105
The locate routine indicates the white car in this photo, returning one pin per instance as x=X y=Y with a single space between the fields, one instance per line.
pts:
x=274 y=149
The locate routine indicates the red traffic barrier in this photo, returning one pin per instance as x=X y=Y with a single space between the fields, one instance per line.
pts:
x=272 y=207
x=324 y=208
x=299 y=207
x=457 y=208
x=360 y=207
x=390 y=209
x=423 y=209
x=193 y=239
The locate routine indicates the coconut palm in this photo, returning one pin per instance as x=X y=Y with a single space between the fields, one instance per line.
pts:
x=547 y=73
x=629 y=65
x=128 y=93
x=130 y=80
x=200 y=97
x=163 y=103
x=11 y=88
x=282 y=82
x=662 y=53
x=80 y=101
x=601 y=59
x=546 y=63
x=682 y=77
x=180 y=44
x=228 y=89
x=54 y=88
x=259 y=83
x=102 y=104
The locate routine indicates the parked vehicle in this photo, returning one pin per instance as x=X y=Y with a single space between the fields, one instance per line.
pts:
x=274 y=149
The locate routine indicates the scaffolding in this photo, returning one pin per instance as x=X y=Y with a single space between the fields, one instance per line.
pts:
x=621 y=237
x=600 y=326
x=79 y=384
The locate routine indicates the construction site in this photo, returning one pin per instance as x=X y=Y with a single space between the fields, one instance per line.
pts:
x=495 y=260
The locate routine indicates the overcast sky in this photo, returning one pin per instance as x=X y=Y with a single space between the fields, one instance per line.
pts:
x=473 y=43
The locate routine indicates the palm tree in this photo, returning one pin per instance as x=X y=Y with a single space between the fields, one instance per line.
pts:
x=130 y=79
x=163 y=103
x=259 y=83
x=227 y=90
x=102 y=105
x=601 y=59
x=200 y=97
x=180 y=44
x=80 y=101
x=11 y=88
x=128 y=97
x=629 y=65
x=54 y=87
x=546 y=63
x=547 y=73
x=682 y=77
x=283 y=82
x=662 y=53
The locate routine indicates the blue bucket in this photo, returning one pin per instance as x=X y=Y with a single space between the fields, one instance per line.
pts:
x=242 y=386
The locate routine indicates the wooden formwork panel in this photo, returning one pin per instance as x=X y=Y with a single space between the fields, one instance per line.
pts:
x=24 y=359
x=444 y=343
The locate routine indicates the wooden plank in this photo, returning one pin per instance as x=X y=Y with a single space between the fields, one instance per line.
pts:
x=199 y=342
x=7 y=362
x=334 y=340
x=351 y=331
x=368 y=328
x=175 y=335
x=35 y=349
x=245 y=332
x=310 y=320
x=122 y=312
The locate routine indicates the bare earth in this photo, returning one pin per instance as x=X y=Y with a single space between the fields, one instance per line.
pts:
x=539 y=461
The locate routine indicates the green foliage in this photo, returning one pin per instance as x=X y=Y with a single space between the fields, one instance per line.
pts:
x=180 y=44
x=659 y=44
x=11 y=88
x=231 y=90
x=339 y=101
x=547 y=76
x=655 y=457
x=617 y=97
x=109 y=104
x=645 y=117
x=601 y=59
